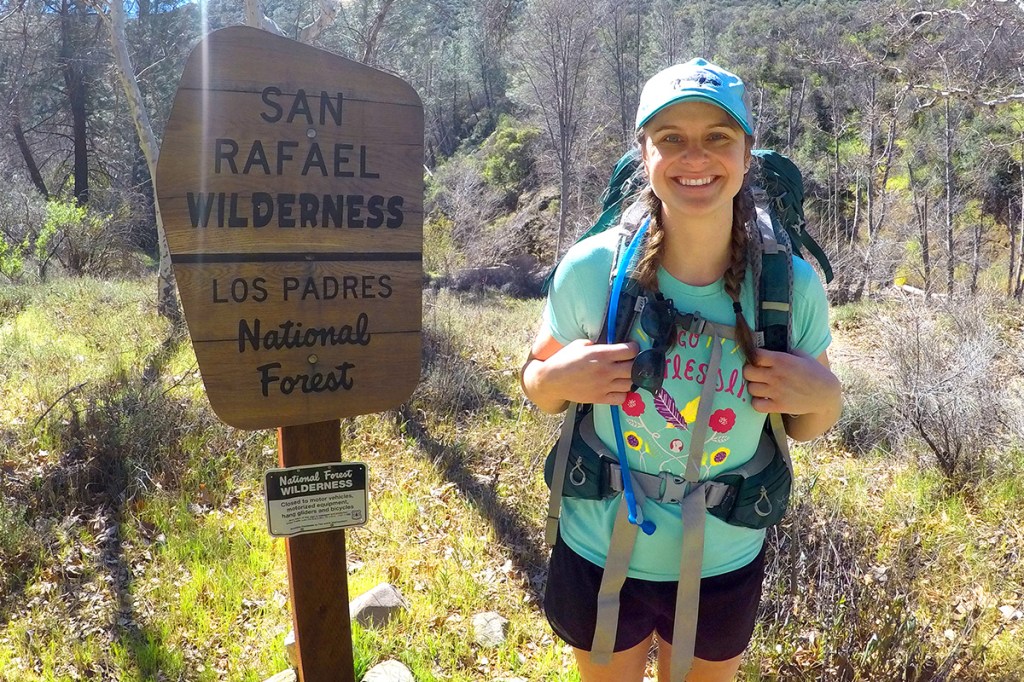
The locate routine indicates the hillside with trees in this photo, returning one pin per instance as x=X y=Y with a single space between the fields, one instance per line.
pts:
x=906 y=119
x=120 y=491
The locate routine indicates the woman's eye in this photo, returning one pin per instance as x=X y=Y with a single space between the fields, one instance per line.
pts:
x=671 y=139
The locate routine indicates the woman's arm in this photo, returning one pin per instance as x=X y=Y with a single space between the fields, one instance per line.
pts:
x=582 y=372
x=802 y=388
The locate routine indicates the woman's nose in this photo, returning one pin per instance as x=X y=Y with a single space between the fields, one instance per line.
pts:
x=693 y=151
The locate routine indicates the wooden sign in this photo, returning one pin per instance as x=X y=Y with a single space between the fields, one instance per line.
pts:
x=290 y=184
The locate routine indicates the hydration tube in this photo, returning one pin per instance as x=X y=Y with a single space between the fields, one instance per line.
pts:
x=636 y=516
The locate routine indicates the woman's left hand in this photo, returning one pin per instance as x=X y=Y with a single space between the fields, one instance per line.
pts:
x=795 y=384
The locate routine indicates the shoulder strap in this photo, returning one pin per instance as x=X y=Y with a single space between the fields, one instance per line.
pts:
x=771 y=259
x=628 y=226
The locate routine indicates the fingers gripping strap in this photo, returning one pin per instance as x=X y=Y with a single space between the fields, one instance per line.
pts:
x=558 y=475
x=615 y=567
x=684 y=632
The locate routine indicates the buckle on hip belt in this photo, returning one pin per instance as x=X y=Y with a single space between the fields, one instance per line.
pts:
x=673 y=488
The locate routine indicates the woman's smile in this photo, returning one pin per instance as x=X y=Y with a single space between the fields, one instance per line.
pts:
x=695 y=182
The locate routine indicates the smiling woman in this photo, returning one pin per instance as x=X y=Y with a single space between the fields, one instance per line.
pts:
x=690 y=582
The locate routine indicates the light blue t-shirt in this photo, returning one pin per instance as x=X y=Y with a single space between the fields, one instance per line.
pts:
x=657 y=432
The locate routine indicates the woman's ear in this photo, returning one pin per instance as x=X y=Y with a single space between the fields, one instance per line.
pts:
x=644 y=154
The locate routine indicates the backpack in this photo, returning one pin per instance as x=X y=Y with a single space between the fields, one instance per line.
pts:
x=755 y=495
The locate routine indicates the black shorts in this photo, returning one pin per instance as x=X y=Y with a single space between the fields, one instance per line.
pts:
x=725 y=618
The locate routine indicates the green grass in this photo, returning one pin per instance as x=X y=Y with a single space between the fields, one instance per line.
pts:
x=191 y=586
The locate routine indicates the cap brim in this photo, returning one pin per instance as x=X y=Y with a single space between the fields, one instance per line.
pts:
x=698 y=96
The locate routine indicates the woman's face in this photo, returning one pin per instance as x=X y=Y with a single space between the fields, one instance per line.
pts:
x=696 y=156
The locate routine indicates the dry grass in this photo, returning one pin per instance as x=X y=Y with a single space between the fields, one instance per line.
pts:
x=134 y=544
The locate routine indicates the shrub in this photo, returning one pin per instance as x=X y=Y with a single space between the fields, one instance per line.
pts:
x=440 y=255
x=450 y=383
x=465 y=202
x=941 y=380
x=22 y=211
x=868 y=421
x=509 y=162
x=84 y=242
x=836 y=610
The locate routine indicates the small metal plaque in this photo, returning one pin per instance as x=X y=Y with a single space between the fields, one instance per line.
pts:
x=315 y=498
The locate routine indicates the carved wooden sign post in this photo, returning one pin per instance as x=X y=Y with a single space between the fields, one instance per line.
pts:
x=291 y=189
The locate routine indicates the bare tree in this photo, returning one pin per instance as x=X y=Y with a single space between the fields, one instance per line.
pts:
x=364 y=22
x=487 y=25
x=940 y=359
x=557 y=51
x=255 y=17
x=623 y=45
x=966 y=51
x=668 y=31
x=75 y=86
x=1016 y=283
x=920 y=200
x=114 y=16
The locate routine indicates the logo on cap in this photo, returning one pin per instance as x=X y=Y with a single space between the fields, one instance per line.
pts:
x=700 y=78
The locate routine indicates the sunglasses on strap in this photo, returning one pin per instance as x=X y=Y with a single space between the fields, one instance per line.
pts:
x=658 y=321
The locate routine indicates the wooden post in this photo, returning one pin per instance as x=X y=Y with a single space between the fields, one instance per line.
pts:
x=317 y=572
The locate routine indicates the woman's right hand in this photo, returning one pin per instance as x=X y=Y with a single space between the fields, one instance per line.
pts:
x=580 y=372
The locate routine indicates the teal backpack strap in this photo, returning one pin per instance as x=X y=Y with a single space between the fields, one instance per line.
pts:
x=784 y=185
x=558 y=474
x=574 y=412
x=771 y=259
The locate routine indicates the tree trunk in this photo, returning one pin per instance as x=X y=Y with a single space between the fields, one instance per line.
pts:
x=976 y=257
x=26 y=150
x=850 y=234
x=795 y=112
x=167 y=300
x=619 y=57
x=890 y=146
x=370 y=47
x=255 y=17
x=855 y=229
x=563 y=217
x=920 y=201
x=1019 y=288
x=870 y=184
x=1013 y=276
x=926 y=253
x=950 y=237
x=74 y=82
